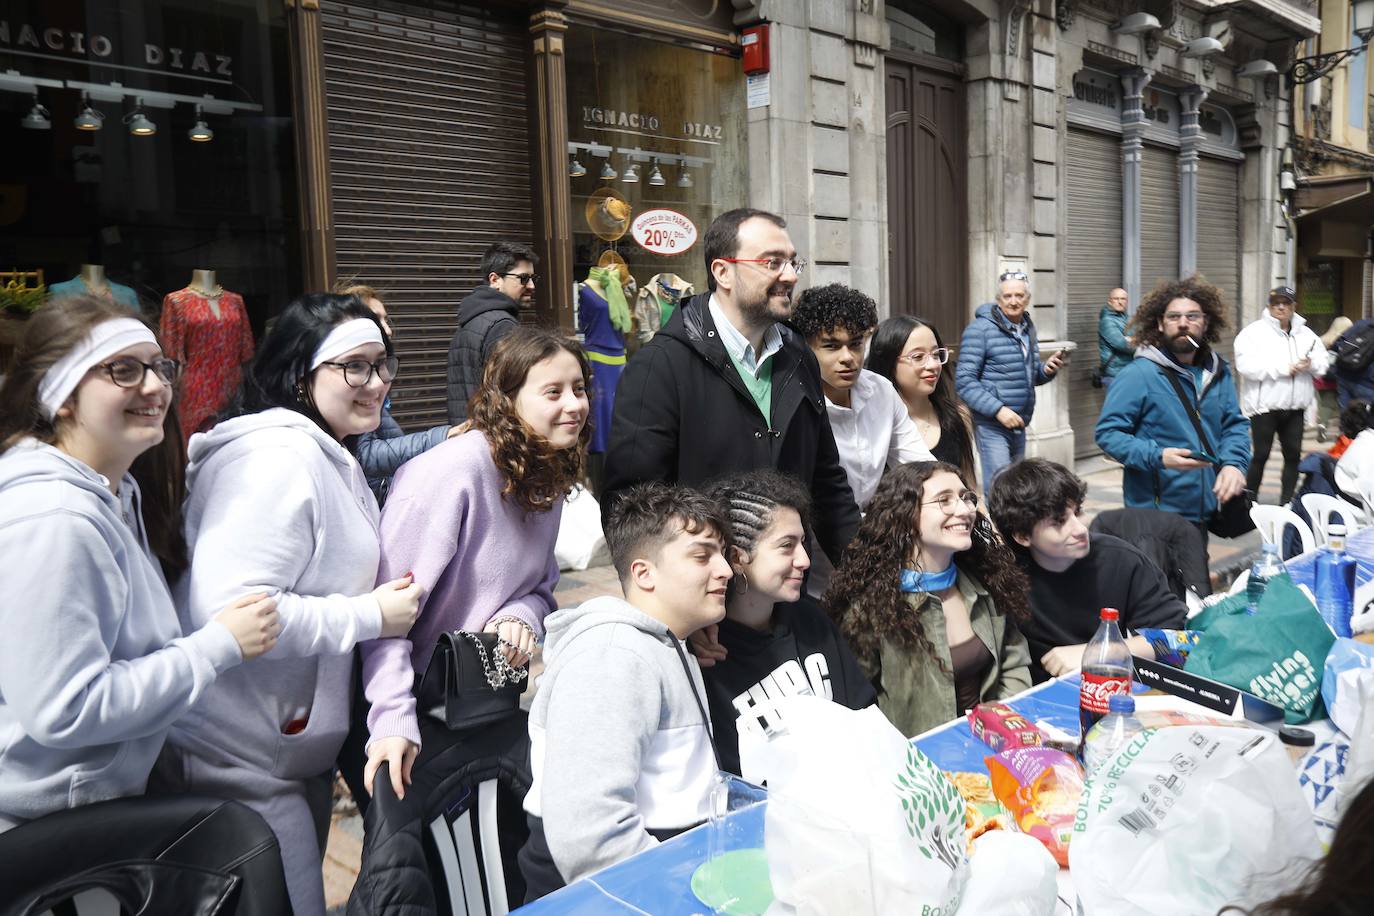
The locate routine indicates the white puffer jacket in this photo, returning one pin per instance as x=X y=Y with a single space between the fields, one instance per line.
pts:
x=1264 y=351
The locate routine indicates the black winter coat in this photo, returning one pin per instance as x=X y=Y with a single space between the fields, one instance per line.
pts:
x=484 y=316
x=683 y=415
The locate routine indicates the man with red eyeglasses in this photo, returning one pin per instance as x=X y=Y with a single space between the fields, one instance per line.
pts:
x=726 y=387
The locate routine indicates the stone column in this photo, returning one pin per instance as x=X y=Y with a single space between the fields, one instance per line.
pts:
x=1133 y=83
x=553 y=200
x=1190 y=139
x=308 y=116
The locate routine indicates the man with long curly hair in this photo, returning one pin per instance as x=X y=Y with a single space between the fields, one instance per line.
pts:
x=1146 y=424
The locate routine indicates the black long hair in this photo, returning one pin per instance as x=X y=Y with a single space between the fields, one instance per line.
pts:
x=280 y=372
x=889 y=340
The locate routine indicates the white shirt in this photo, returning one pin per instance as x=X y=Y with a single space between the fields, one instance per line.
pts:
x=737 y=345
x=872 y=432
x=1356 y=464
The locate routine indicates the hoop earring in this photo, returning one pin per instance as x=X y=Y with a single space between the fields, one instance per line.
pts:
x=743 y=583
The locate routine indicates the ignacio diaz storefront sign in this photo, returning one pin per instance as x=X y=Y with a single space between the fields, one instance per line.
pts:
x=645 y=122
x=50 y=41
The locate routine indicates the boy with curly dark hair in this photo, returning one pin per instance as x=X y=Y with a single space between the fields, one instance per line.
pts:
x=1172 y=417
x=1037 y=506
x=871 y=425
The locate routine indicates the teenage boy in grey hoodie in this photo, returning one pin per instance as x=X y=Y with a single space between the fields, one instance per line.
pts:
x=620 y=742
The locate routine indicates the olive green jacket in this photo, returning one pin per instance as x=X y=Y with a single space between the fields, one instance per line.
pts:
x=915 y=694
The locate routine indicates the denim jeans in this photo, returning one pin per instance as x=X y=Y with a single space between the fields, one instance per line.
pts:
x=997 y=448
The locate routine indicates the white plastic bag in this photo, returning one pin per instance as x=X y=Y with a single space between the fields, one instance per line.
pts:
x=1012 y=875
x=1186 y=820
x=581 y=542
x=858 y=820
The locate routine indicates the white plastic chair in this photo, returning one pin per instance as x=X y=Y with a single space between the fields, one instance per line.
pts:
x=1321 y=507
x=1272 y=520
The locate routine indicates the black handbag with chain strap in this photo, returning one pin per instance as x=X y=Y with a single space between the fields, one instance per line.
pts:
x=469 y=683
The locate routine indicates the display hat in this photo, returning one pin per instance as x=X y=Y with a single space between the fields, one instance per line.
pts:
x=611 y=258
x=608 y=214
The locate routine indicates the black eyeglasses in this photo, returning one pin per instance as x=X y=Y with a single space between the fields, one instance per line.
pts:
x=127 y=372
x=525 y=279
x=358 y=372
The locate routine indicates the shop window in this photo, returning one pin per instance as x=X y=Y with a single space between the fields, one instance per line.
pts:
x=916 y=29
x=150 y=208
x=657 y=151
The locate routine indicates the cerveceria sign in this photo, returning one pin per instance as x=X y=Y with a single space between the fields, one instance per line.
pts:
x=52 y=41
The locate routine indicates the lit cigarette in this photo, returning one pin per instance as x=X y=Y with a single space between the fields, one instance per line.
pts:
x=1196 y=345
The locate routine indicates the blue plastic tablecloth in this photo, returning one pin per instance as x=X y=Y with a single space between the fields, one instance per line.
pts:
x=658 y=881
x=1359 y=545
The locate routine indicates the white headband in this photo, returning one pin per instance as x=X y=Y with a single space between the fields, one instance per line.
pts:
x=344 y=337
x=105 y=340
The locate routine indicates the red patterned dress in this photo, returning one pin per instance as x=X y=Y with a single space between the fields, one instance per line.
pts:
x=210 y=351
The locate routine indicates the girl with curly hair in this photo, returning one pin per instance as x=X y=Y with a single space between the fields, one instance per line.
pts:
x=928 y=597
x=475 y=519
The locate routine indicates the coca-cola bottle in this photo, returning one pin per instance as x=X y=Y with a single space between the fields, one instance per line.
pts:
x=1107 y=670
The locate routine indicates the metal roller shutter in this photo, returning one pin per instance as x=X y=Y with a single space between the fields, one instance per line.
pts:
x=430 y=163
x=1218 y=236
x=1092 y=179
x=1158 y=217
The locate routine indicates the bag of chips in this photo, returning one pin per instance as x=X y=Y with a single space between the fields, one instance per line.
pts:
x=1002 y=728
x=1040 y=787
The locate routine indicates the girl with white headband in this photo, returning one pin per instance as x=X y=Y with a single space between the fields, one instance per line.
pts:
x=278 y=501
x=94 y=666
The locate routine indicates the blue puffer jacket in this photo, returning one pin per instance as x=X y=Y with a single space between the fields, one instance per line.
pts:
x=1355 y=385
x=382 y=451
x=993 y=371
x=1142 y=416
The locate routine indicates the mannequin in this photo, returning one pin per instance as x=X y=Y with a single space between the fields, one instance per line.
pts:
x=92 y=281
x=604 y=317
x=203 y=282
x=205 y=327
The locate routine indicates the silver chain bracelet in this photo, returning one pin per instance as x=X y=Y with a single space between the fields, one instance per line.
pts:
x=498 y=671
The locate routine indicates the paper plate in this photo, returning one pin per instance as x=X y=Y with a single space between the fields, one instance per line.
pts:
x=735 y=883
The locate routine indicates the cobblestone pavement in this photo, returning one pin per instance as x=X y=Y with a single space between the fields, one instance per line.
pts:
x=1103 y=477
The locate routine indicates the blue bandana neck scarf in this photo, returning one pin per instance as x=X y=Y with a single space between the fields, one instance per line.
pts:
x=913 y=581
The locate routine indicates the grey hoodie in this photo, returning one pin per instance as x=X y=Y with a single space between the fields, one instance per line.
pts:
x=276 y=505
x=619 y=742
x=93 y=665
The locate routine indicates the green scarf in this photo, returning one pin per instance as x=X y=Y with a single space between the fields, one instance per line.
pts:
x=609 y=278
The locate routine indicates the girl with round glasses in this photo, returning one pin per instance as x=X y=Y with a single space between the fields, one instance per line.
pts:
x=278 y=501
x=909 y=353
x=928 y=597
x=95 y=666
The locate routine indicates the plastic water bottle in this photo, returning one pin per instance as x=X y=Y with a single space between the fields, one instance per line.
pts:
x=1107 y=671
x=1115 y=730
x=1336 y=582
x=1268 y=565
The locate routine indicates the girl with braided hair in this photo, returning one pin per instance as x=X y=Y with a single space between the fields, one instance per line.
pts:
x=775 y=640
x=929 y=597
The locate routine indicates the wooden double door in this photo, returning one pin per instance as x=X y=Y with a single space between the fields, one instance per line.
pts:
x=927 y=192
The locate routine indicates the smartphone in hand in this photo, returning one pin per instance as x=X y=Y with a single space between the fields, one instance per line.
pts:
x=1199 y=455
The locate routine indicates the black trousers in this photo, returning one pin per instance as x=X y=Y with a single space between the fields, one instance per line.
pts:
x=1288 y=425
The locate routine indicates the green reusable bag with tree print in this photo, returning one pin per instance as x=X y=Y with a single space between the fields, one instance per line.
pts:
x=1277 y=654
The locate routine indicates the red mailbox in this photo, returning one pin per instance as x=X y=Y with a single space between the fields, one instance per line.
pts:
x=754 y=42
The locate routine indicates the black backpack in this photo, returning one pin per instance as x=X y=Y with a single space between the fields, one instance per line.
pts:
x=1355 y=351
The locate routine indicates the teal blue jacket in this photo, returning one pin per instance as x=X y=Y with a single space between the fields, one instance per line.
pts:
x=1113 y=352
x=1142 y=416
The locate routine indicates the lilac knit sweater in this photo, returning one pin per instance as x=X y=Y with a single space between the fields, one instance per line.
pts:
x=477 y=555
